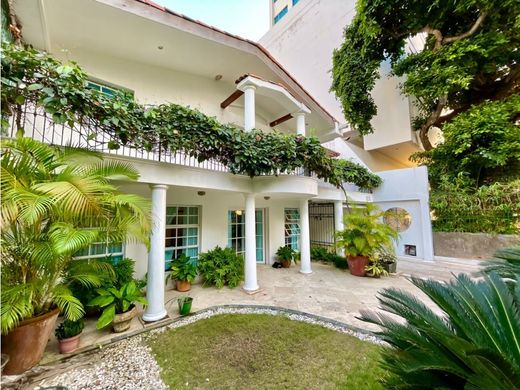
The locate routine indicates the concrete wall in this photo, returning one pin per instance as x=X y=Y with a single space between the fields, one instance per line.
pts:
x=408 y=189
x=471 y=245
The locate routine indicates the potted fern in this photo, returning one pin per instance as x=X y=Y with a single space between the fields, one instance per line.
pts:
x=286 y=255
x=363 y=235
x=184 y=271
x=118 y=306
x=44 y=224
x=68 y=334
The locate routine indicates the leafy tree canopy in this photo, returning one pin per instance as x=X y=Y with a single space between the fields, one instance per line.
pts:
x=60 y=89
x=471 y=56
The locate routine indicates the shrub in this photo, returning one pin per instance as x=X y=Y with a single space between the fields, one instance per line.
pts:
x=184 y=269
x=69 y=329
x=319 y=253
x=221 y=267
x=285 y=253
x=340 y=262
x=472 y=343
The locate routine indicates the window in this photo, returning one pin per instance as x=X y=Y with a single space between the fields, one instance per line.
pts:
x=280 y=15
x=237 y=232
x=292 y=228
x=182 y=232
x=105 y=90
x=294 y=2
x=101 y=250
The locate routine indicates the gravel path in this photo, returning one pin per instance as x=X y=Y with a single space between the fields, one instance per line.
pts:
x=128 y=365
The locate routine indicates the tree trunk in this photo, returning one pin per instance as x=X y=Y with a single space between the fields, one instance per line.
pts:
x=425 y=141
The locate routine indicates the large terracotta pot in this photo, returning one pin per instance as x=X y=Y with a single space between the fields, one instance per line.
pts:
x=357 y=264
x=183 y=285
x=26 y=343
x=70 y=344
x=122 y=321
x=286 y=263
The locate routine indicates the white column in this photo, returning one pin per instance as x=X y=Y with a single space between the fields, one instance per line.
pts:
x=155 y=285
x=300 y=123
x=251 y=282
x=338 y=222
x=305 y=241
x=249 y=107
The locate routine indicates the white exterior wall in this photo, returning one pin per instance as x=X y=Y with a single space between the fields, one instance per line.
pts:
x=213 y=229
x=409 y=189
x=304 y=40
x=155 y=85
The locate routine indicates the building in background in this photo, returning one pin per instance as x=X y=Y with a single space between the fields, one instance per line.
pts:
x=302 y=38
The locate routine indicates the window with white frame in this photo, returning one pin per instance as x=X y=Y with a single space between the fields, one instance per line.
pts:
x=292 y=228
x=182 y=232
x=237 y=232
x=101 y=250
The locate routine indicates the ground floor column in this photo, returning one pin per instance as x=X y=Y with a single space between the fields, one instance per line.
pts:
x=251 y=282
x=338 y=222
x=305 y=241
x=155 y=285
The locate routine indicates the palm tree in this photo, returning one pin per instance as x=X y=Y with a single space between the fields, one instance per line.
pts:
x=56 y=201
x=472 y=341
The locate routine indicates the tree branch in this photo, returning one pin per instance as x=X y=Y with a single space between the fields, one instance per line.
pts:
x=423 y=131
x=436 y=33
x=468 y=33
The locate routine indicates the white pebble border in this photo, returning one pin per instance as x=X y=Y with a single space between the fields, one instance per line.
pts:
x=129 y=364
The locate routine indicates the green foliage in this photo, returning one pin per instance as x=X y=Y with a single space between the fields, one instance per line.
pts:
x=221 y=267
x=375 y=269
x=285 y=253
x=459 y=207
x=56 y=202
x=31 y=75
x=69 y=329
x=364 y=232
x=470 y=56
x=474 y=342
x=112 y=274
x=482 y=144
x=116 y=301
x=506 y=264
x=184 y=268
x=340 y=262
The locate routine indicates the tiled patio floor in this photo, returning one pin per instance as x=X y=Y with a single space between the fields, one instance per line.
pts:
x=327 y=292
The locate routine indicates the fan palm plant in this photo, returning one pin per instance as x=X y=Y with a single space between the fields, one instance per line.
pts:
x=506 y=263
x=56 y=201
x=474 y=342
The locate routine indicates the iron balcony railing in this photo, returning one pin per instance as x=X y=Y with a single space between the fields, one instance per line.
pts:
x=38 y=124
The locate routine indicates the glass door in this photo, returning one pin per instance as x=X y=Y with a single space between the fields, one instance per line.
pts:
x=237 y=232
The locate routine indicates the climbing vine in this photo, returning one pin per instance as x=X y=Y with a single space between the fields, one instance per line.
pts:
x=60 y=89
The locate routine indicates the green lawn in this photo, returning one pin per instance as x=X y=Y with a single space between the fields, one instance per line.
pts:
x=264 y=352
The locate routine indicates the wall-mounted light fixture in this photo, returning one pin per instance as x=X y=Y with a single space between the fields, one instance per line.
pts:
x=238 y=212
x=267 y=197
x=201 y=193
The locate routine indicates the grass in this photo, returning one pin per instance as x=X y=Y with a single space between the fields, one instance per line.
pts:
x=264 y=352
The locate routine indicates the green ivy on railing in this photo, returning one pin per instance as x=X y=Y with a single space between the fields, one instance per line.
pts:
x=60 y=89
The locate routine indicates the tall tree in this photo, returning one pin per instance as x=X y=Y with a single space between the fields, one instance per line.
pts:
x=471 y=56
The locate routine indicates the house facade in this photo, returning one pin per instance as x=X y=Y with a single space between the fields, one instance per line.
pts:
x=160 y=56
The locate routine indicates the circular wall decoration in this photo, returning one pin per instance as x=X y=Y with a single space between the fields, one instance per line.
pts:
x=398 y=218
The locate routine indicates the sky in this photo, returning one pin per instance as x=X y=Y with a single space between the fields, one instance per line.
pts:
x=246 y=18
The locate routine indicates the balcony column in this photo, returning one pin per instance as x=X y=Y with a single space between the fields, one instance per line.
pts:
x=249 y=107
x=305 y=241
x=251 y=282
x=338 y=222
x=300 y=123
x=155 y=286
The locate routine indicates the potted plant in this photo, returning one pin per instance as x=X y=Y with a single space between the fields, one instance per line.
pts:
x=286 y=255
x=387 y=259
x=184 y=304
x=375 y=269
x=68 y=334
x=363 y=235
x=119 y=306
x=44 y=224
x=184 y=271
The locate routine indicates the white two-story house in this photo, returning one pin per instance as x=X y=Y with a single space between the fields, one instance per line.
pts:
x=161 y=56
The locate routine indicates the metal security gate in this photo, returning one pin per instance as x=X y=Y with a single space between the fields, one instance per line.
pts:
x=321 y=225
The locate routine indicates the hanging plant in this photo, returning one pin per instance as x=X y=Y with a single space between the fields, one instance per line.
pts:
x=60 y=89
